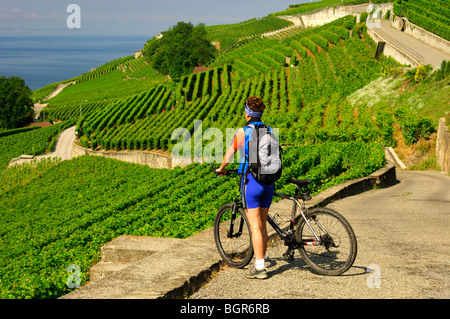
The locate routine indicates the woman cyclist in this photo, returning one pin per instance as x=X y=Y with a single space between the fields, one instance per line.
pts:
x=256 y=197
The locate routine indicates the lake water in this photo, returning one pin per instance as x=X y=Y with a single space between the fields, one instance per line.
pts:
x=45 y=60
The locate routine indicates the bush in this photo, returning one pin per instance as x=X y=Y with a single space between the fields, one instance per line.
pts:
x=363 y=17
x=447 y=69
x=415 y=128
x=84 y=142
x=330 y=36
x=320 y=41
x=301 y=50
x=182 y=48
x=309 y=44
x=421 y=73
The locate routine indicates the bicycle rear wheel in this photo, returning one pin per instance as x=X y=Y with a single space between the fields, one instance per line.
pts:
x=337 y=250
x=234 y=246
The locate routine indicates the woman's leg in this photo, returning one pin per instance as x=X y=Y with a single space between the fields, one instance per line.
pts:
x=257 y=218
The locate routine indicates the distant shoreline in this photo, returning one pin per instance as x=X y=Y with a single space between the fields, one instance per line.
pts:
x=43 y=60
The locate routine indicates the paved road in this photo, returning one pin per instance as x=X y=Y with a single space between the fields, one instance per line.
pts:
x=63 y=147
x=38 y=107
x=403 y=250
x=415 y=48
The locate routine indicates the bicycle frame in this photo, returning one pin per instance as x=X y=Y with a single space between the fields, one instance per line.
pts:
x=288 y=235
x=295 y=205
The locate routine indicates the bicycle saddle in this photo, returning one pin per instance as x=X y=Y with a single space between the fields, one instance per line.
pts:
x=300 y=182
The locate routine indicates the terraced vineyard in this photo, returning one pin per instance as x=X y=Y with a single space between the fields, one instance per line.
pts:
x=32 y=142
x=433 y=15
x=231 y=35
x=71 y=209
x=325 y=65
x=317 y=5
x=55 y=214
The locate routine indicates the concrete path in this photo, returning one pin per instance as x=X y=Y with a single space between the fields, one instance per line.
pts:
x=417 y=49
x=58 y=90
x=63 y=148
x=38 y=107
x=403 y=249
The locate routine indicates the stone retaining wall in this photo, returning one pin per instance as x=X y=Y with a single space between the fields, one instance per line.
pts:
x=421 y=34
x=391 y=50
x=154 y=159
x=443 y=147
x=327 y=15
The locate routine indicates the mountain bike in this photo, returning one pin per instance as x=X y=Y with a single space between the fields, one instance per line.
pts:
x=324 y=238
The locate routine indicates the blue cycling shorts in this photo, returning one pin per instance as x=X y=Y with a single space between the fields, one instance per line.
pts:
x=256 y=195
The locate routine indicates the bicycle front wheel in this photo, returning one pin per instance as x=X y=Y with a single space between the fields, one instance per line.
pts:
x=233 y=236
x=336 y=251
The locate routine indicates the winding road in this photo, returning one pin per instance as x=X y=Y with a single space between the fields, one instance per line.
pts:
x=63 y=148
x=417 y=49
x=403 y=249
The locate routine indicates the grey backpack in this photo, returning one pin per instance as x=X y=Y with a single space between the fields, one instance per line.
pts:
x=264 y=154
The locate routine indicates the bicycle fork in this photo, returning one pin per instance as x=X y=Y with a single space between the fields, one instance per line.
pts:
x=230 y=233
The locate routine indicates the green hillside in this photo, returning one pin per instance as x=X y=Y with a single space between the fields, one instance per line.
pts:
x=317 y=5
x=336 y=107
x=433 y=15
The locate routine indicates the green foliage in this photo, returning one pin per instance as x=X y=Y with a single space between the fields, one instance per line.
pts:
x=388 y=15
x=231 y=35
x=443 y=72
x=16 y=106
x=109 y=87
x=418 y=74
x=413 y=126
x=41 y=235
x=329 y=163
x=18 y=130
x=421 y=73
x=33 y=142
x=433 y=16
x=363 y=17
x=20 y=174
x=105 y=69
x=318 y=5
x=385 y=124
x=180 y=50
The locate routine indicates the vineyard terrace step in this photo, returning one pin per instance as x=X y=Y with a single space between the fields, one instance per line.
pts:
x=169 y=273
x=125 y=250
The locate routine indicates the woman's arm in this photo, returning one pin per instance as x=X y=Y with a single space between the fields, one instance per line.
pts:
x=238 y=142
x=226 y=160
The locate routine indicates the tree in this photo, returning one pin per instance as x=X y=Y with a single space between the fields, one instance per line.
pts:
x=16 y=106
x=180 y=50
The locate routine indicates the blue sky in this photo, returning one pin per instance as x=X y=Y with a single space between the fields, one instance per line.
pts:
x=126 y=17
